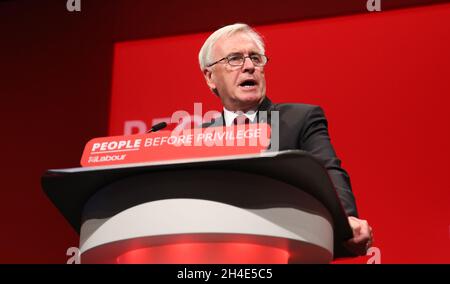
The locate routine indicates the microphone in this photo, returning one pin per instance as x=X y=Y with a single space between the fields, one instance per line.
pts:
x=157 y=127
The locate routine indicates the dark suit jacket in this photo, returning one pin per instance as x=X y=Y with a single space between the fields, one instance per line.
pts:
x=305 y=127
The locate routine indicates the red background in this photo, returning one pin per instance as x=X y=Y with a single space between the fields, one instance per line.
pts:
x=383 y=83
x=382 y=79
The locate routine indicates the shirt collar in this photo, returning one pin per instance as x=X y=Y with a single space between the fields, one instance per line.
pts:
x=231 y=115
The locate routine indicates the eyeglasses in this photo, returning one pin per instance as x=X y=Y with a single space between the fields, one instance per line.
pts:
x=238 y=59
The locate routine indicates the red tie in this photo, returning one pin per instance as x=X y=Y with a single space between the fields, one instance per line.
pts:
x=241 y=119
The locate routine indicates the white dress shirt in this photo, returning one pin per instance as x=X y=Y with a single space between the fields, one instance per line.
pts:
x=231 y=115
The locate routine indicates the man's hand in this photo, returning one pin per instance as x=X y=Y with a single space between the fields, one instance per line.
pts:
x=362 y=236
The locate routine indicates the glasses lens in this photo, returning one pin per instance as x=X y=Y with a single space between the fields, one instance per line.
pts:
x=257 y=59
x=236 y=59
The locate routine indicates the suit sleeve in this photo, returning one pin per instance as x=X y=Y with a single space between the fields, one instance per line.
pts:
x=316 y=140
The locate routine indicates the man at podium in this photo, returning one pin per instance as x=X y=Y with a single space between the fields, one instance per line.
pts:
x=232 y=60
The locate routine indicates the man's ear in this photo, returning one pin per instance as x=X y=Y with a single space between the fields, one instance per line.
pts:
x=208 y=77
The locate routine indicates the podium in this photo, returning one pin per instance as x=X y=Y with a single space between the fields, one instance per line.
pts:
x=274 y=207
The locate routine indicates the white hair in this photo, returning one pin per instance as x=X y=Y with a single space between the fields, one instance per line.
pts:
x=205 y=54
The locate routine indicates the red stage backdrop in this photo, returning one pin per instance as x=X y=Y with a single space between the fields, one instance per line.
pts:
x=383 y=81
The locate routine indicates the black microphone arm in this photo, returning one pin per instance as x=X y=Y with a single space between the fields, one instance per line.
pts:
x=157 y=127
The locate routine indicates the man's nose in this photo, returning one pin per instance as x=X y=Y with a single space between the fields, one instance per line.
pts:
x=248 y=65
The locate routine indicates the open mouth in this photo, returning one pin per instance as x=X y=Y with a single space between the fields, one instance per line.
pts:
x=248 y=84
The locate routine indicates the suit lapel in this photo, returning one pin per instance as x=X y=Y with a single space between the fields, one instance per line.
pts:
x=266 y=107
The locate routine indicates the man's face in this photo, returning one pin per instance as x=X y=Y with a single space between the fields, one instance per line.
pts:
x=240 y=87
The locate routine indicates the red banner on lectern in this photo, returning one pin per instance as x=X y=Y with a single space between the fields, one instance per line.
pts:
x=176 y=145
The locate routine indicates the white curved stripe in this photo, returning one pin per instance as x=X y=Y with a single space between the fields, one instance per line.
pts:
x=193 y=216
